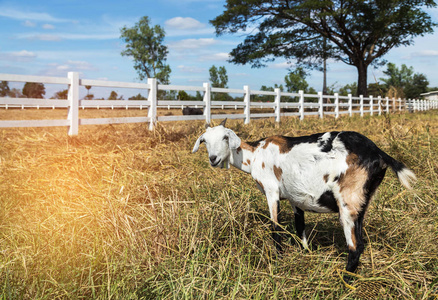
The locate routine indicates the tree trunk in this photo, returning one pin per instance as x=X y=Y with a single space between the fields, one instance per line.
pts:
x=362 y=71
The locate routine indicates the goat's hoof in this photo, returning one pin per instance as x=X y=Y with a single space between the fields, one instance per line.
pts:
x=348 y=279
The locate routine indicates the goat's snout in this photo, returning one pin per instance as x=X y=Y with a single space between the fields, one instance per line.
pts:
x=213 y=159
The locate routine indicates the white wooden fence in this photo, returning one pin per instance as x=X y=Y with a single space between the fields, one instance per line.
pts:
x=338 y=104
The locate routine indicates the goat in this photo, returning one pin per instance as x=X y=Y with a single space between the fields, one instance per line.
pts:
x=331 y=172
x=192 y=111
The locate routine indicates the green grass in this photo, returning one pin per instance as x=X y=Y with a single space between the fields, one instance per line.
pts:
x=119 y=212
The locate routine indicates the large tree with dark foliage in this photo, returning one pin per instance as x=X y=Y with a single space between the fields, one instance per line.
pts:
x=358 y=33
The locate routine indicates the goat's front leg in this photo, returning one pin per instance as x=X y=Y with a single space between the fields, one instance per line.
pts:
x=300 y=226
x=273 y=198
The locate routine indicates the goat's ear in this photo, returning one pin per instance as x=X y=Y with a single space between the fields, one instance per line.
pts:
x=198 y=142
x=223 y=122
x=233 y=140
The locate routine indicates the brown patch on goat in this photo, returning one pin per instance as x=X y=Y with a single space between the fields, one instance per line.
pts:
x=278 y=172
x=326 y=177
x=248 y=162
x=279 y=141
x=263 y=165
x=275 y=212
x=353 y=239
x=245 y=146
x=351 y=185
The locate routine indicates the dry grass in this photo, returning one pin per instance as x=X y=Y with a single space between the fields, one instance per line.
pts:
x=120 y=212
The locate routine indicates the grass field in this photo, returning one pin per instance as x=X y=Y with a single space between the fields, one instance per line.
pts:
x=119 y=212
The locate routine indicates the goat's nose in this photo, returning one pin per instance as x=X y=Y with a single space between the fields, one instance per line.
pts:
x=213 y=158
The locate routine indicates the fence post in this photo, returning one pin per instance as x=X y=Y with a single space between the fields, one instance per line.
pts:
x=321 y=105
x=379 y=104
x=152 y=97
x=277 y=104
x=301 y=108
x=350 y=105
x=387 y=105
x=73 y=101
x=207 y=102
x=399 y=104
x=371 y=105
x=247 y=100
x=361 y=105
x=336 y=105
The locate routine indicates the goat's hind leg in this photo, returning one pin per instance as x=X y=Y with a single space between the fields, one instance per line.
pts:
x=352 y=225
x=274 y=210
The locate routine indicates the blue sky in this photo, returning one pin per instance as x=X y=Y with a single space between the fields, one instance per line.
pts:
x=54 y=37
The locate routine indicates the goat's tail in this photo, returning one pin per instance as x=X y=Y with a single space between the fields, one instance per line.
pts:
x=404 y=174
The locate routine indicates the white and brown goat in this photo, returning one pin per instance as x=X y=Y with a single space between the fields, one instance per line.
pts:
x=331 y=172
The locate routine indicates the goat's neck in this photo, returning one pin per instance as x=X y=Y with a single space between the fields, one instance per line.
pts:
x=241 y=157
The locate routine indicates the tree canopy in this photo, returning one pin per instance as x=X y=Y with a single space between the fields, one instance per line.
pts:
x=358 y=33
x=61 y=94
x=145 y=44
x=4 y=89
x=296 y=81
x=408 y=83
x=34 y=90
x=218 y=77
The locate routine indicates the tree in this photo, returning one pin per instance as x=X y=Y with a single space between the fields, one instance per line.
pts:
x=182 y=95
x=15 y=93
x=377 y=89
x=4 y=89
x=350 y=88
x=144 y=43
x=218 y=77
x=296 y=81
x=137 y=97
x=358 y=33
x=114 y=96
x=34 y=90
x=407 y=83
x=61 y=94
x=89 y=96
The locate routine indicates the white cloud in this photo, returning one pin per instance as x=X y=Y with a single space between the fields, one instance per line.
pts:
x=48 y=26
x=191 y=69
x=422 y=53
x=282 y=65
x=42 y=37
x=186 y=26
x=20 y=56
x=221 y=56
x=58 y=69
x=19 y=14
x=67 y=36
x=192 y=43
x=80 y=65
x=181 y=23
x=29 y=24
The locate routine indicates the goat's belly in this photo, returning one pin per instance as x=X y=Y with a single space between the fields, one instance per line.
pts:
x=318 y=201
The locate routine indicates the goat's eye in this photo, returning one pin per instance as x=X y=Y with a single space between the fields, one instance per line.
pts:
x=226 y=138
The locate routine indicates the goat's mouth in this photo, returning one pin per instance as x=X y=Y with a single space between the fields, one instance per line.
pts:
x=216 y=163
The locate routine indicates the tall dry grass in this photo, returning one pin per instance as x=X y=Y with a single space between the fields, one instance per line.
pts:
x=120 y=212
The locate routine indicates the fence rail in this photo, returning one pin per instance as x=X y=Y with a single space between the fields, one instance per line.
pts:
x=335 y=104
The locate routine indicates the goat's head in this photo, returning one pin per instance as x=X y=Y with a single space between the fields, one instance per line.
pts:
x=219 y=142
